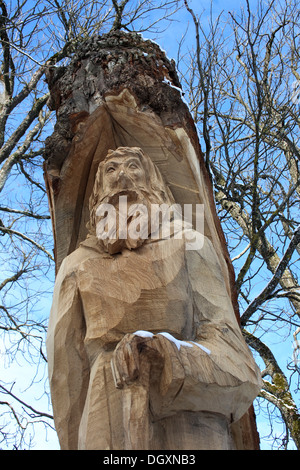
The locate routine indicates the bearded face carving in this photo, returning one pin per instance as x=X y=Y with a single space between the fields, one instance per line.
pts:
x=127 y=188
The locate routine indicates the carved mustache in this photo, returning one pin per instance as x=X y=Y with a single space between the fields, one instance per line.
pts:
x=134 y=194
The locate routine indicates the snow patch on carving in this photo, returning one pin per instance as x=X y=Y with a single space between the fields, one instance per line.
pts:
x=177 y=342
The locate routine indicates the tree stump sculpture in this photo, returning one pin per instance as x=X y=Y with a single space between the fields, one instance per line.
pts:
x=144 y=345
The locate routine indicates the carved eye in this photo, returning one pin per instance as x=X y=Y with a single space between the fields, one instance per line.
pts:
x=110 y=169
x=133 y=166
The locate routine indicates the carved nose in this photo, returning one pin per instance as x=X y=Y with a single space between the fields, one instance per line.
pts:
x=124 y=180
x=123 y=175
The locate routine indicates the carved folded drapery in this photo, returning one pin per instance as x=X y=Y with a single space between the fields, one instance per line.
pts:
x=144 y=345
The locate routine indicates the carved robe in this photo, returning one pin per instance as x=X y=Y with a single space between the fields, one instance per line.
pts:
x=208 y=377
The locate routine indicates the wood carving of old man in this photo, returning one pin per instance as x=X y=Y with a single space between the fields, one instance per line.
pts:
x=144 y=349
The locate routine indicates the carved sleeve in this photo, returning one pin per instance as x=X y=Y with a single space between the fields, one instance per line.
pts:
x=219 y=363
x=216 y=372
x=67 y=360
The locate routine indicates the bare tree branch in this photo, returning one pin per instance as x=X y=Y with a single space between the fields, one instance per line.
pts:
x=269 y=288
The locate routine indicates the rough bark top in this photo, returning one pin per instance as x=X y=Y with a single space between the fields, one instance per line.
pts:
x=105 y=65
x=111 y=61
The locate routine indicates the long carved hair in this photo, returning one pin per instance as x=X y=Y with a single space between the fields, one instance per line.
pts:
x=155 y=184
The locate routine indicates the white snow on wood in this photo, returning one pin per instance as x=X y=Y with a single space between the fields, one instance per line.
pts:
x=177 y=342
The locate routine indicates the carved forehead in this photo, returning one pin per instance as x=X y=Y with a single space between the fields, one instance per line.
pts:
x=123 y=153
x=123 y=159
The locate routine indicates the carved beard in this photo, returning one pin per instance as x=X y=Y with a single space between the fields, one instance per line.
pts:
x=129 y=228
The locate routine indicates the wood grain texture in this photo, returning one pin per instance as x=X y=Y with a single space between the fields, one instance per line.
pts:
x=120 y=90
x=159 y=336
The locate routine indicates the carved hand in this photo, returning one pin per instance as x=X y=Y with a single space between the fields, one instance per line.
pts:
x=133 y=358
x=160 y=366
x=136 y=361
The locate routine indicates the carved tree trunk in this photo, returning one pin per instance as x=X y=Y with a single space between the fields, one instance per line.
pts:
x=120 y=90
